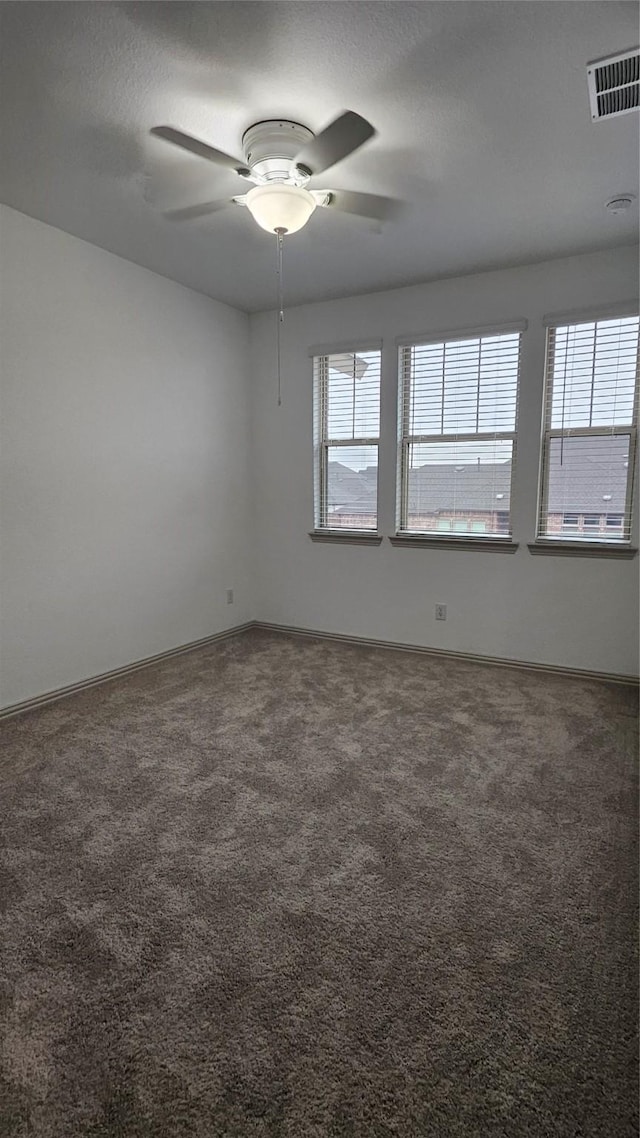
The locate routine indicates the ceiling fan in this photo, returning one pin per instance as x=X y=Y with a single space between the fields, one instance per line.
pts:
x=280 y=158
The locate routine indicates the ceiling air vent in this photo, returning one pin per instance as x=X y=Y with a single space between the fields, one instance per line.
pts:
x=614 y=85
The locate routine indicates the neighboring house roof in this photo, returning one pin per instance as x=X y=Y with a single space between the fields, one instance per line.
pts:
x=590 y=469
x=444 y=487
x=346 y=486
x=591 y=478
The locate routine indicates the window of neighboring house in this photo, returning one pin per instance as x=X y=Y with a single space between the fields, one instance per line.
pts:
x=458 y=408
x=590 y=428
x=346 y=439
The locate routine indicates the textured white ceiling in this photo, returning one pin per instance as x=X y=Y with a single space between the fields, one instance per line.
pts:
x=481 y=109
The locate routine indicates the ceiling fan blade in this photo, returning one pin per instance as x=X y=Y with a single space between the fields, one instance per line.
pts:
x=202 y=149
x=364 y=205
x=344 y=135
x=192 y=211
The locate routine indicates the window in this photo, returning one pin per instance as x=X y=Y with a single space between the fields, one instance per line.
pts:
x=458 y=429
x=346 y=432
x=590 y=422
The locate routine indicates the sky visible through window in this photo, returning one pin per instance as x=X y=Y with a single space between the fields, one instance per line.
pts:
x=594 y=374
x=469 y=386
x=353 y=406
x=462 y=387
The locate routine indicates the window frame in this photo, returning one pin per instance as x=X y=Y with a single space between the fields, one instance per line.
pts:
x=322 y=531
x=601 y=543
x=468 y=539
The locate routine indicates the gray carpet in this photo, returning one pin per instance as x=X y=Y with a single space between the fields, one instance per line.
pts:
x=288 y=887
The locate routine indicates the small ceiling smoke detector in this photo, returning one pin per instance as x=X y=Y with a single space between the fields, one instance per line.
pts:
x=620 y=204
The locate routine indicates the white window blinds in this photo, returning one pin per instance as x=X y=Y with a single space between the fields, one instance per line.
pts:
x=346 y=436
x=590 y=426
x=458 y=431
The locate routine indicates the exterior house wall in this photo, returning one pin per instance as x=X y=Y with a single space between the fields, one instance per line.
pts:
x=557 y=523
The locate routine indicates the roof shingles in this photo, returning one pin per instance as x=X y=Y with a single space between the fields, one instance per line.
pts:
x=587 y=475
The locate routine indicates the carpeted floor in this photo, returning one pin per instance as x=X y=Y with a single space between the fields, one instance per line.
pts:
x=288 y=887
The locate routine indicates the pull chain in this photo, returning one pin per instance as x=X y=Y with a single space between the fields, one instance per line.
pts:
x=280 y=240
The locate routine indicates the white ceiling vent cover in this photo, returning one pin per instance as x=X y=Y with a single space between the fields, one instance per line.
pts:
x=614 y=85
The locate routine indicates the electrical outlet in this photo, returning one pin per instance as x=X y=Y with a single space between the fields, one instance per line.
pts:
x=441 y=612
x=229 y=596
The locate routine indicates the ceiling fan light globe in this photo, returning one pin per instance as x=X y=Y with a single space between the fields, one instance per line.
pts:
x=278 y=207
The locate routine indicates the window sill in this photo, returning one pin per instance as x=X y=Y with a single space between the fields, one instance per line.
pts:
x=487 y=544
x=582 y=549
x=346 y=537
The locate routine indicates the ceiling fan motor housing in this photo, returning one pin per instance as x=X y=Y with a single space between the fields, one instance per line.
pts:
x=270 y=148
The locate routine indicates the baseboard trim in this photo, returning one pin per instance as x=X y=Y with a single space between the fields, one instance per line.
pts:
x=117 y=673
x=470 y=657
x=314 y=633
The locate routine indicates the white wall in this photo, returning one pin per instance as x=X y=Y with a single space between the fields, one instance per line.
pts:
x=125 y=480
x=580 y=613
x=129 y=504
